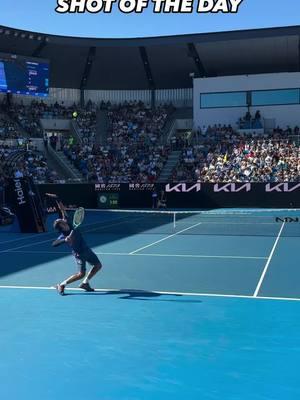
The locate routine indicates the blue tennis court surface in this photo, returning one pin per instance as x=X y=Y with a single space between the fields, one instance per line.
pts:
x=209 y=310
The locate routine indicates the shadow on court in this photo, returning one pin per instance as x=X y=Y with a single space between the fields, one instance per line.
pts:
x=98 y=229
x=141 y=295
x=108 y=228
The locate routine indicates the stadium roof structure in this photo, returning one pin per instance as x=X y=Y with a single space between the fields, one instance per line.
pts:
x=158 y=62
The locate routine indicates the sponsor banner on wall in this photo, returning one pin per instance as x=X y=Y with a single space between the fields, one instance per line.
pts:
x=282 y=187
x=108 y=187
x=232 y=187
x=116 y=187
x=181 y=195
x=23 y=198
x=142 y=186
x=182 y=187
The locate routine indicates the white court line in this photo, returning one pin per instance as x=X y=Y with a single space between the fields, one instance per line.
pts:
x=197 y=256
x=50 y=240
x=24 y=238
x=44 y=234
x=165 y=238
x=145 y=255
x=195 y=294
x=26 y=245
x=268 y=262
x=53 y=232
x=230 y=223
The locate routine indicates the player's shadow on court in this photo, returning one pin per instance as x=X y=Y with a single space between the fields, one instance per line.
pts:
x=140 y=295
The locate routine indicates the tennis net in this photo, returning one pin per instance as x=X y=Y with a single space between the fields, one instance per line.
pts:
x=228 y=223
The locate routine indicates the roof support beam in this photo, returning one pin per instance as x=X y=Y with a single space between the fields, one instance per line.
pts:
x=197 y=60
x=88 y=66
x=40 y=48
x=299 y=53
x=147 y=67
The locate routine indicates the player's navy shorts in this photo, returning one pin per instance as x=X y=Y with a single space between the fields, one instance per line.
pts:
x=84 y=257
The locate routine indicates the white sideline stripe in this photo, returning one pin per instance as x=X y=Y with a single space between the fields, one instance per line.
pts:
x=181 y=222
x=26 y=245
x=23 y=238
x=145 y=254
x=165 y=238
x=50 y=240
x=158 y=292
x=196 y=256
x=268 y=261
x=53 y=232
x=44 y=234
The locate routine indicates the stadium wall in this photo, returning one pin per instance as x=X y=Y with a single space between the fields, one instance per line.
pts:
x=66 y=96
x=178 y=97
x=279 y=115
x=179 y=196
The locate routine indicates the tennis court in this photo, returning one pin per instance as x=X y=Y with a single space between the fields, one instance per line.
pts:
x=188 y=305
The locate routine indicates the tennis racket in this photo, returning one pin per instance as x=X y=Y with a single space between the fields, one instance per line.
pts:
x=78 y=217
x=52 y=195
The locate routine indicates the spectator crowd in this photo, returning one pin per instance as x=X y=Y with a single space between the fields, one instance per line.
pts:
x=135 y=152
x=223 y=155
x=8 y=129
x=21 y=159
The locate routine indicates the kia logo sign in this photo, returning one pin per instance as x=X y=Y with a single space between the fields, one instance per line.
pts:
x=183 y=188
x=282 y=187
x=232 y=188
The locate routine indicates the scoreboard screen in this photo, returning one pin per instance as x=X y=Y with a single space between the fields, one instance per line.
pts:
x=24 y=75
x=108 y=200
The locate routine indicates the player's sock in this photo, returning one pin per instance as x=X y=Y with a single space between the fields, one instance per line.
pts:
x=86 y=280
x=64 y=283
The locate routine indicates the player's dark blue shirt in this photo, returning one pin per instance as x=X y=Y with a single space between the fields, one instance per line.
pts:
x=77 y=243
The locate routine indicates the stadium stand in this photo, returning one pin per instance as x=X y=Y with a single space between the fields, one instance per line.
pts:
x=21 y=159
x=134 y=148
x=28 y=116
x=133 y=151
x=224 y=155
x=8 y=129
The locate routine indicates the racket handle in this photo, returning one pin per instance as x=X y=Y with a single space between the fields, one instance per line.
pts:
x=57 y=243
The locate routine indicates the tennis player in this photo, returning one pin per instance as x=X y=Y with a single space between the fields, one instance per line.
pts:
x=80 y=250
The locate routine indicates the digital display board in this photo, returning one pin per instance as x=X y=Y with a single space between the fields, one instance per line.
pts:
x=108 y=200
x=24 y=75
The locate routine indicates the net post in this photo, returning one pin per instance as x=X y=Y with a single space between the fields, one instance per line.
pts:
x=174 y=220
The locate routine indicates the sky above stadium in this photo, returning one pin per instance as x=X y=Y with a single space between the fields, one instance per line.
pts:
x=40 y=16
